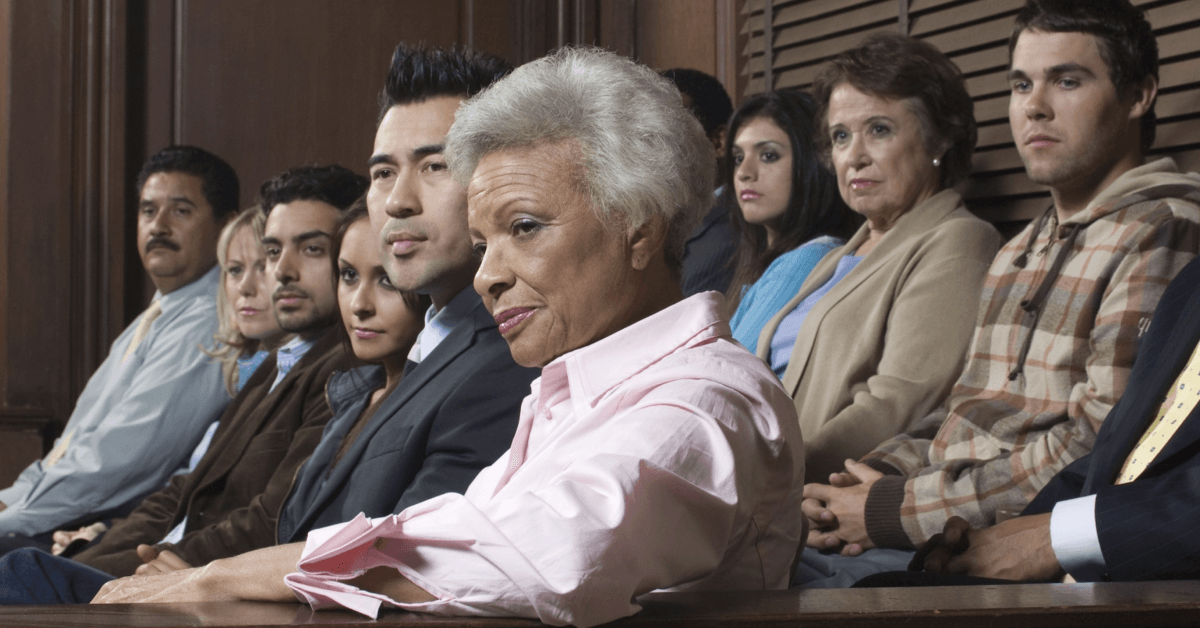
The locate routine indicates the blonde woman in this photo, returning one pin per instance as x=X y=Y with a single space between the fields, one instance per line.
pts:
x=248 y=331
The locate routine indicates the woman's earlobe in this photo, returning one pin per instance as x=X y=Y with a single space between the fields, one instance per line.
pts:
x=646 y=241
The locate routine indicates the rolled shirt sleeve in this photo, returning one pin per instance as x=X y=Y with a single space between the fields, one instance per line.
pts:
x=664 y=481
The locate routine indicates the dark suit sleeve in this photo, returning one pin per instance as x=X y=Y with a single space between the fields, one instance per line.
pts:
x=1067 y=484
x=1147 y=528
x=472 y=429
x=151 y=521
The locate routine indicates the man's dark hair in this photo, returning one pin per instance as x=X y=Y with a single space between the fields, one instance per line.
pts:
x=710 y=103
x=1123 y=35
x=418 y=74
x=218 y=179
x=335 y=185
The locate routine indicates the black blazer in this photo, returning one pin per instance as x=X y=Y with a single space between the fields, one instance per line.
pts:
x=452 y=415
x=1147 y=528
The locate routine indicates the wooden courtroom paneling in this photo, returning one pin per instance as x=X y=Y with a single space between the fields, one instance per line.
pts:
x=271 y=86
x=60 y=207
x=679 y=33
x=697 y=34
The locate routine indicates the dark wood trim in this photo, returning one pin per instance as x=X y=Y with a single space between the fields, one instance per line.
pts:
x=6 y=41
x=617 y=26
x=768 y=44
x=1100 y=605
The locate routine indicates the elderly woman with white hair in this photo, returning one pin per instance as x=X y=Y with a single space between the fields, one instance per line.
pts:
x=653 y=452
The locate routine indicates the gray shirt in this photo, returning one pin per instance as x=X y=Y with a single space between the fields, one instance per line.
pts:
x=135 y=423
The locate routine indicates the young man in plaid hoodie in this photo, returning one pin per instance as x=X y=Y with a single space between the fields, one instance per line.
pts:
x=1063 y=306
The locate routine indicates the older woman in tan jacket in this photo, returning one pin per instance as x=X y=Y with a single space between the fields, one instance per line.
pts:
x=878 y=332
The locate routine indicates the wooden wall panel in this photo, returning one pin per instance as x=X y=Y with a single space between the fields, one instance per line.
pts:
x=51 y=270
x=273 y=89
x=677 y=33
x=5 y=58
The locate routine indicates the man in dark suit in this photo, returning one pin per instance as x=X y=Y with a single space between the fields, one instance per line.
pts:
x=709 y=251
x=230 y=501
x=456 y=409
x=1122 y=512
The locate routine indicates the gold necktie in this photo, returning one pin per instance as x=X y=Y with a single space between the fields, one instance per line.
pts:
x=143 y=328
x=1180 y=402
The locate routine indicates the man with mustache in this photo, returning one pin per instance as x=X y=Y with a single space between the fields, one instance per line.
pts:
x=229 y=503
x=1064 y=305
x=152 y=398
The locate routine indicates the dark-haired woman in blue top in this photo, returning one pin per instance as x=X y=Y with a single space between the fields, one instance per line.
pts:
x=790 y=215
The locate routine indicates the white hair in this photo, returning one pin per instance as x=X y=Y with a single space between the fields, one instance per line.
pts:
x=643 y=153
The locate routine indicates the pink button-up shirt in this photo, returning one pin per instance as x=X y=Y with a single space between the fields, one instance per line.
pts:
x=662 y=456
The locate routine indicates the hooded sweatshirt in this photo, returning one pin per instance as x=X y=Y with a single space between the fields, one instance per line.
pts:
x=1062 y=309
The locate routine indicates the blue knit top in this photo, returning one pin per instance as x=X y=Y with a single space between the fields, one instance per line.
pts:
x=778 y=284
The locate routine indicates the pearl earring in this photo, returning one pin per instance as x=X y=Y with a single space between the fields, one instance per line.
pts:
x=936 y=162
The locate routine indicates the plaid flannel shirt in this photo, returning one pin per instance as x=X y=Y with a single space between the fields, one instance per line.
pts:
x=997 y=441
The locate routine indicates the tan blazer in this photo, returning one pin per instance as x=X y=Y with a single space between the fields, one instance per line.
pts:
x=884 y=346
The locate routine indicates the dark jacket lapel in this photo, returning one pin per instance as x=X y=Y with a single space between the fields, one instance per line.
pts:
x=259 y=408
x=1173 y=336
x=420 y=378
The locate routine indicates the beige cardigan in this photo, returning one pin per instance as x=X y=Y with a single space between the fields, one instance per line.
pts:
x=883 y=348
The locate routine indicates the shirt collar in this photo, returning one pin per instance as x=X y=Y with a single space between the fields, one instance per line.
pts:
x=203 y=286
x=594 y=370
x=297 y=346
x=439 y=323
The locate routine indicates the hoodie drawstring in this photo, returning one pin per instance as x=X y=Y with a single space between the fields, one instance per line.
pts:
x=1033 y=305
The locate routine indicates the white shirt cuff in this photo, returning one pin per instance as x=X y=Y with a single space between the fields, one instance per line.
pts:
x=1074 y=539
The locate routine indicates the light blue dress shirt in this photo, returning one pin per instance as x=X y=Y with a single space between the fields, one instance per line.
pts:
x=439 y=323
x=1074 y=538
x=287 y=357
x=135 y=422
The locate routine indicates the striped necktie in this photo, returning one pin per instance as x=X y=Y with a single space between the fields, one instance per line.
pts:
x=1180 y=402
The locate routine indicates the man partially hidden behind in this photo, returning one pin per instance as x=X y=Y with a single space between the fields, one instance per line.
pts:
x=148 y=405
x=1064 y=304
x=230 y=502
x=709 y=251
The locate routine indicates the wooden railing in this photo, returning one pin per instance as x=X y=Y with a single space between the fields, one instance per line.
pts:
x=1025 y=605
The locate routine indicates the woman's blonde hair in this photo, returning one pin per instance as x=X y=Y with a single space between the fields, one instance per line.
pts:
x=231 y=344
